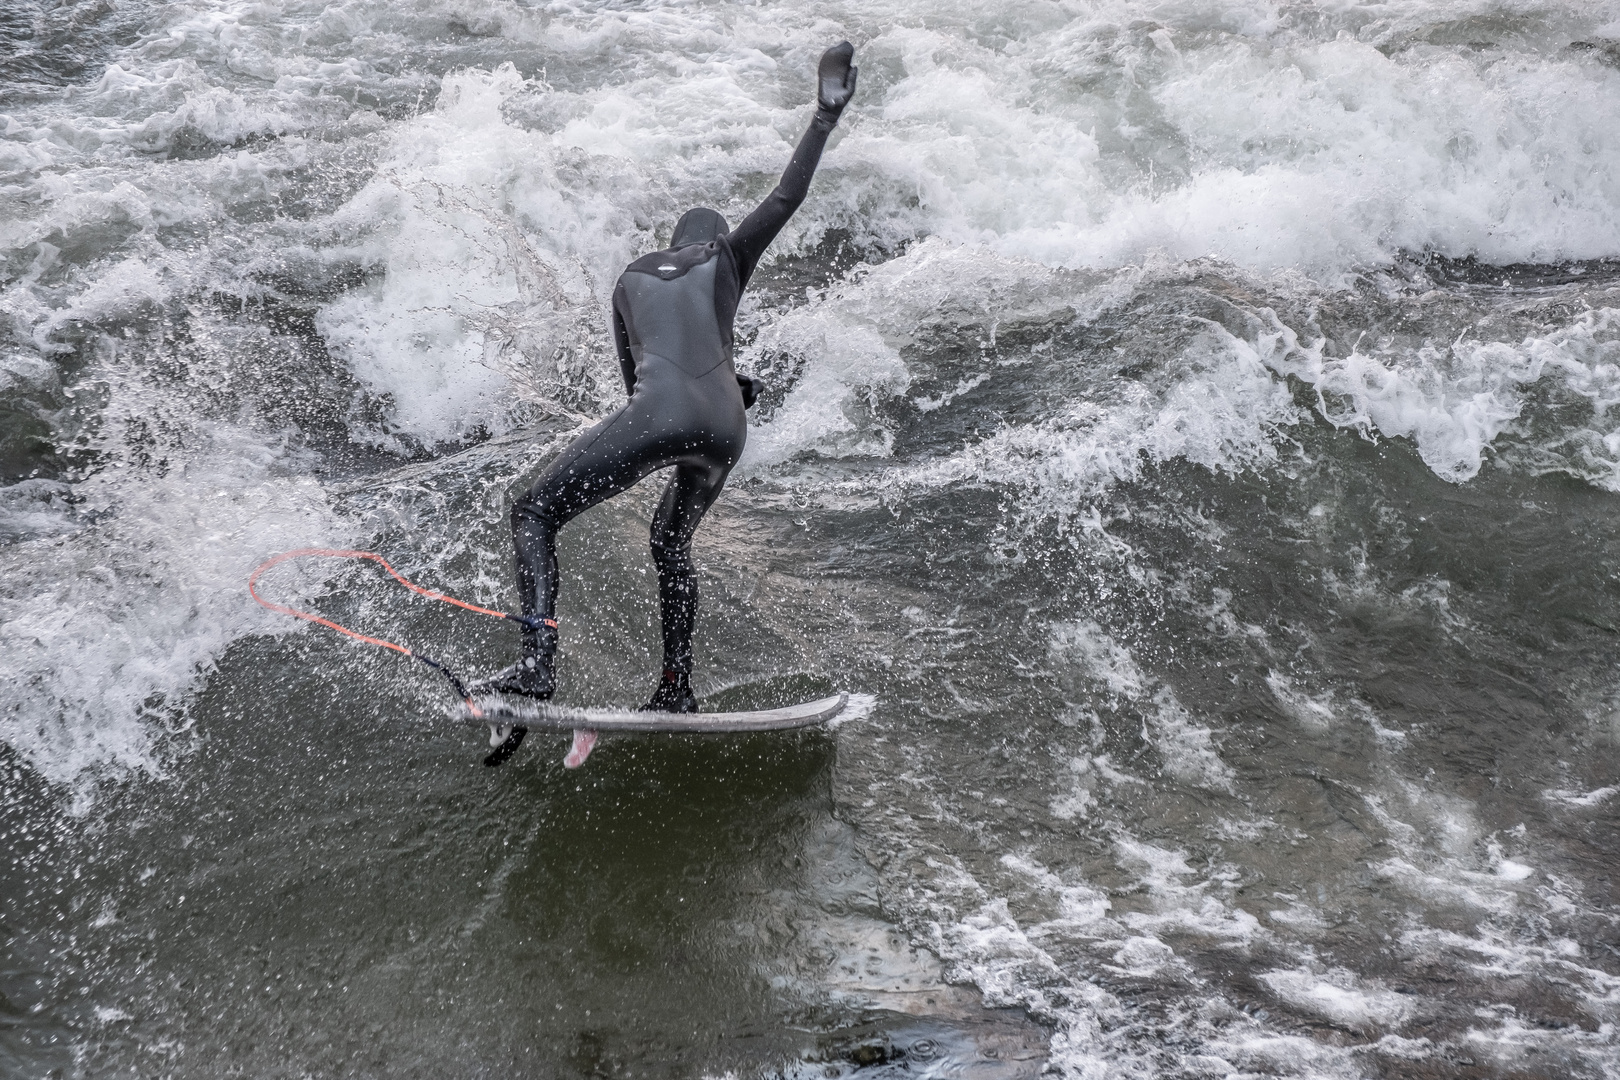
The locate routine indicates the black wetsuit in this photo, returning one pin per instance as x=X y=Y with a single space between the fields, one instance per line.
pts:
x=672 y=321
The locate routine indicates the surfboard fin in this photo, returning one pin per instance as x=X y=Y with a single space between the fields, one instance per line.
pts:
x=584 y=743
x=506 y=740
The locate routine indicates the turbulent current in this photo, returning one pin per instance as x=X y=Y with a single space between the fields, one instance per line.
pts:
x=1192 y=428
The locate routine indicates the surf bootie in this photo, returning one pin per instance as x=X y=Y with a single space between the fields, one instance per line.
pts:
x=674 y=694
x=533 y=676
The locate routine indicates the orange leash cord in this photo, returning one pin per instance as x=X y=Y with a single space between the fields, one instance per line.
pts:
x=527 y=621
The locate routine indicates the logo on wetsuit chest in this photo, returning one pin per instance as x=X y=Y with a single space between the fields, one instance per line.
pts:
x=669 y=265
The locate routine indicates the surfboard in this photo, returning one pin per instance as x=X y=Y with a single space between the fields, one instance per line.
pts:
x=547 y=716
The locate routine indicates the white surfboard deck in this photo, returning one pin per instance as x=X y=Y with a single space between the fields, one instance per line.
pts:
x=546 y=716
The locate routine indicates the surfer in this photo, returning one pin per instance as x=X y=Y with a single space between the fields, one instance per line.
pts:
x=672 y=324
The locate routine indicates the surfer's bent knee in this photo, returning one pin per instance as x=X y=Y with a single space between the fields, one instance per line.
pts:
x=529 y=516
x=670 y=552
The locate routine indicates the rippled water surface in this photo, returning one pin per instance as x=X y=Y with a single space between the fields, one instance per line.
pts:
x=1192 y=427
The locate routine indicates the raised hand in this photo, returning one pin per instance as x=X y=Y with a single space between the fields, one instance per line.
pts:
x=835 y=78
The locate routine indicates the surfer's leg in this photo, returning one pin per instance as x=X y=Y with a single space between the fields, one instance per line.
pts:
x=602 y=462
x=691 y=491
x=598 y=465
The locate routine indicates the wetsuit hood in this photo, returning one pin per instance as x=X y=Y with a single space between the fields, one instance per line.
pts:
x=699 y=225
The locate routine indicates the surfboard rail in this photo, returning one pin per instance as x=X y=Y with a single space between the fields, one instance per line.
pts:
x=546 y=716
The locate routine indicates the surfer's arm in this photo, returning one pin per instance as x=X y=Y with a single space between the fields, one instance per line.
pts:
x=835 y=86
x=621 y=341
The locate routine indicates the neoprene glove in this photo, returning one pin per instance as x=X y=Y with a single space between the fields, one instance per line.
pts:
x=835 y=78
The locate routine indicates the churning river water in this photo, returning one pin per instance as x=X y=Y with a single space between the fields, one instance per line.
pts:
x=1193 y=430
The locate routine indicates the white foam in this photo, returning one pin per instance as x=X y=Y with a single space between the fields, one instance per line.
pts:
x=845 y=345
x=1189 y=908
x=1104 y=658
x=1337 y=994
x=107 y=629
x=1222 y=409
x=1144 y=955
x=1595 y=797
x=1493 y=952
x=1314 y=712
x=1081 y=908
x=1225 y=411
x=829 y=411
x=1330 y=153
x=32 y=509
x=1066 y=806
x=1285 y=150
x=981 y=942
x=1455 y=402
x=460 y=282
x=1261 y=1052
x=1033 y=964
x=859 y=707
x=1187 y=748
x=1511 y=1041
x=998 y=956
x=1450 y=882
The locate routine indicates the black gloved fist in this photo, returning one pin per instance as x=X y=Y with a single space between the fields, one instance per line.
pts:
x=835 y=78
x=751 y=389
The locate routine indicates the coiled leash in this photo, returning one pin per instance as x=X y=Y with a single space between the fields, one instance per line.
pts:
x=528 y=622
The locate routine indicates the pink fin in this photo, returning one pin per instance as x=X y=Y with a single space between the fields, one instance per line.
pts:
x=584 y=742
